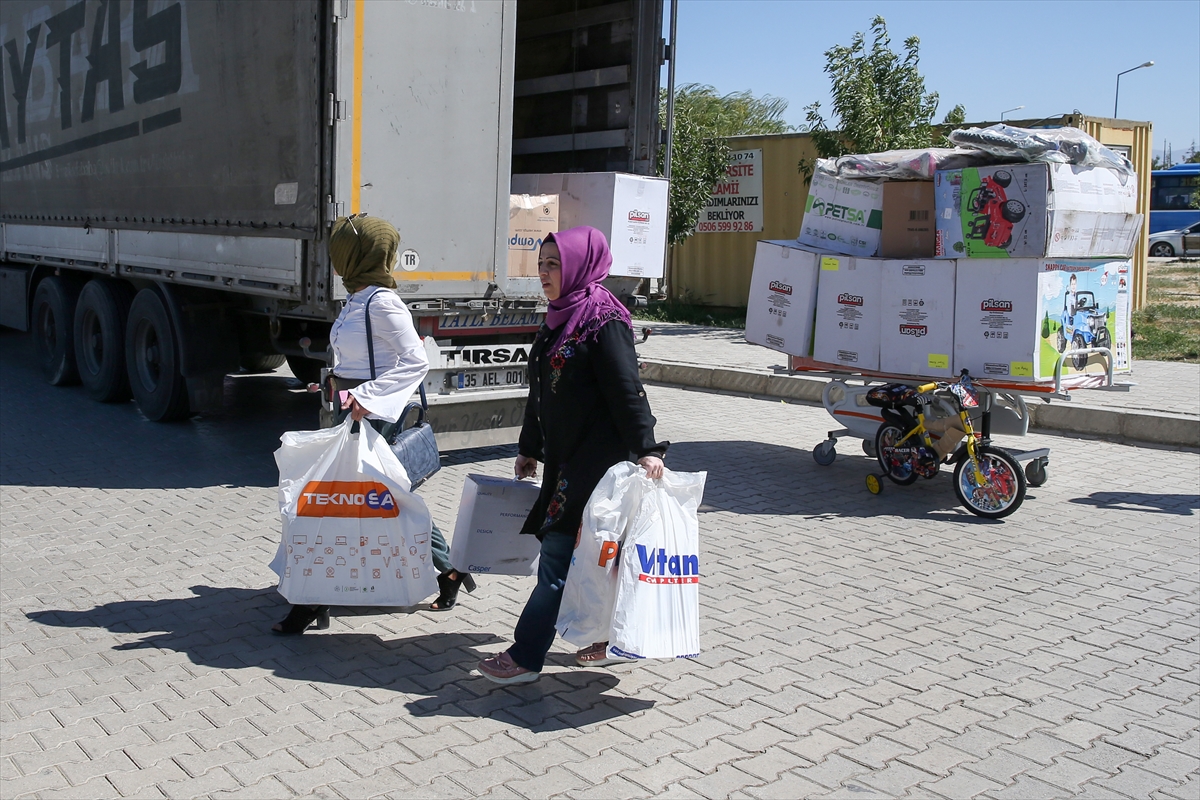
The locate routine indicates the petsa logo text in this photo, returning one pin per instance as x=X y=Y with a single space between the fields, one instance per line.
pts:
x=658 y=567
x=780 y=286
x=913 y=330
x=847 y=299
x=996 y=305
x=639 y=216
x=357 y=499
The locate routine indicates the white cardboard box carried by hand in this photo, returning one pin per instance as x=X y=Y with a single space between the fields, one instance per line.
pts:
x=487 y=535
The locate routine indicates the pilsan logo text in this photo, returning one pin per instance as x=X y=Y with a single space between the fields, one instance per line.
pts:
x=658 y=567
x=996 y=305
x=913 y=330
x=847 y=299
x=781 y=287
x=639 y=216
x=359 y=499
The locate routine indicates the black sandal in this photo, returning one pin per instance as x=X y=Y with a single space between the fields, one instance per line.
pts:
x=449 y=589
x=300 y=618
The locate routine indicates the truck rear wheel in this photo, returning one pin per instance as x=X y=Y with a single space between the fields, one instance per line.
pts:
x=100 y=319
x=306 y=370
x=152 y=360
x=261 y=362
x=53 y=335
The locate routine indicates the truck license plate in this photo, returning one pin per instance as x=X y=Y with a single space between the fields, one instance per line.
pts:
x=487 y=378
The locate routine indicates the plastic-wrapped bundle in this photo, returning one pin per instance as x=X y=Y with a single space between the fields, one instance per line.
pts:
x=1053 y=145
x=903 y=165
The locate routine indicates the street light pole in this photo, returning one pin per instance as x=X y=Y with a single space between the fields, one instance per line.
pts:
x=1009 y=111
x=1117 y=96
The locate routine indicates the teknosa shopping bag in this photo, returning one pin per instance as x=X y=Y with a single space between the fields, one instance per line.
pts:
x=487 y=535
x=353 y=535
x=657 y=609
x=585 y=614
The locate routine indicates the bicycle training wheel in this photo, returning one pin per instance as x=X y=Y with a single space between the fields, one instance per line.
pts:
x=1002 y=490
x=898 y=468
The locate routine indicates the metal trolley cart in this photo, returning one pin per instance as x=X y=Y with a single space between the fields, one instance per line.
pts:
x=890 y=414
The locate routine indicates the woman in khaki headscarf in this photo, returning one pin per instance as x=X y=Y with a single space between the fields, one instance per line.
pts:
x=363 y=251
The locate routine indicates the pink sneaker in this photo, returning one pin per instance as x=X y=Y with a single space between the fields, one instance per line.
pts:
x=502 y=669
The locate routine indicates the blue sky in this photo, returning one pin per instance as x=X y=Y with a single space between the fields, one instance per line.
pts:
x=1052 y=57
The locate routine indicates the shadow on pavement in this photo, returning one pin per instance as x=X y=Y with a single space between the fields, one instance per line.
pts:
x=228 y=628
x=756 y=478
x=1184 y=505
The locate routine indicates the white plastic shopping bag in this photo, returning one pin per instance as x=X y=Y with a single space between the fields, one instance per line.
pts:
x=585 y=614
x=487 y=535
x=353 y=535
x=657 y=608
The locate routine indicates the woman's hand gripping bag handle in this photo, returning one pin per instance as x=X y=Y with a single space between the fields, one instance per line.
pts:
x=585 y=614
x=353 y=533
x=657 y=609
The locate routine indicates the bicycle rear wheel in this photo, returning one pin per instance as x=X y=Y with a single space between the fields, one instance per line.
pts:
x=897 y=467
x=1002 y=490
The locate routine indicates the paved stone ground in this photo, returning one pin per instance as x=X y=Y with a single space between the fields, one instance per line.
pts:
x=853 y=645
x=1163 y=386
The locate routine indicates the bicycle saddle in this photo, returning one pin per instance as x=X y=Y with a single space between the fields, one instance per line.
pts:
x=893 y=395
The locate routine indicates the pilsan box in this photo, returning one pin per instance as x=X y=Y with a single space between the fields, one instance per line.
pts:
x=530 y=219
x=783 y=297
x=1013 y=319
x=630 y=210
x=843 y=216
x=1035 y=211
x=848 y=308
x=916 y=331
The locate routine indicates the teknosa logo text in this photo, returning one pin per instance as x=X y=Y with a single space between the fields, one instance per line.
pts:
x=639 y=216
x=658 y=567
x=913 y=330
x=359 y=499
x=779 y=286
x=996 y=305
x=847 y=299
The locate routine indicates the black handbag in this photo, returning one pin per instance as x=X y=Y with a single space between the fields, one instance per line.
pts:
x=415 y=447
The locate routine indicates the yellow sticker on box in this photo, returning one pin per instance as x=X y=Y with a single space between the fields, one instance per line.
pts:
x=829 y=264
x=939 y=361
x=1021 y=369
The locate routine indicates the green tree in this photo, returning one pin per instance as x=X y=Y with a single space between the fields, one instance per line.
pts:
x=879 y=99
x=700 y=153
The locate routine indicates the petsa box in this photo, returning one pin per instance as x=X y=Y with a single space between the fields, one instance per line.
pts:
x=842 y=216
x=530 y=219
x=783 y=297
x=630 y=210
x=1013 y=319
x=848 y=307
x=908 y=220
x=916 y=330
x=1035 y=211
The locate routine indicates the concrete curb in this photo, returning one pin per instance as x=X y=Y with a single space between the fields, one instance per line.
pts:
x=1113 y=424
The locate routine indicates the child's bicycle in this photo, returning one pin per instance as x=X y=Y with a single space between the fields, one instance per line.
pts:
x=988 y=480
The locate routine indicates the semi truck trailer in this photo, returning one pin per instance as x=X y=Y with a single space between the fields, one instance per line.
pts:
x=170 y=169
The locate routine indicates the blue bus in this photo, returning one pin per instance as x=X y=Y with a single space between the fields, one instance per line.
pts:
x=1174 y=197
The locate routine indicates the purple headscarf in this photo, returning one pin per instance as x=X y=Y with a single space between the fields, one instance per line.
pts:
x=583 y=305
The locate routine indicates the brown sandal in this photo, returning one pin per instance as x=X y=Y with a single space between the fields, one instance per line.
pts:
x=596 y=655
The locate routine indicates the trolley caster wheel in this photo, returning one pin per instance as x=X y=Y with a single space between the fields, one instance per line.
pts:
x=824 y=453
x=1035 y=472
x=874 y=485
x=868 y=447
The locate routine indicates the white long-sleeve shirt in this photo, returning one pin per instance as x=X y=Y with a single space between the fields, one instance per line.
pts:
x=400 y=361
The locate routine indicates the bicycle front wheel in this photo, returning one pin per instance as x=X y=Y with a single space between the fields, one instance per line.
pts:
x=1002 y=489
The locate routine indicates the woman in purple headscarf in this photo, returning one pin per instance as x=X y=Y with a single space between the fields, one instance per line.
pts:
x=586 y=411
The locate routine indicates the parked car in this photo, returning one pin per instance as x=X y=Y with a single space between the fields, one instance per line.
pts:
x=1165 y=244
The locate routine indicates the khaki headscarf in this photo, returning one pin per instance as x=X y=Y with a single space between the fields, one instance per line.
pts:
x=363 y=251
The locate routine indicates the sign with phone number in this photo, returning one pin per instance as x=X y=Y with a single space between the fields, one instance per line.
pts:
x=736 y=202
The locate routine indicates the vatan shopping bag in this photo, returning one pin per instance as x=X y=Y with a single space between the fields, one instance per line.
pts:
x=353 y=534
x=487 y=534
x=657 y=609
x=585 y=614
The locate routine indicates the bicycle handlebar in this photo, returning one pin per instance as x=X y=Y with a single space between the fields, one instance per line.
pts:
x=927 y=387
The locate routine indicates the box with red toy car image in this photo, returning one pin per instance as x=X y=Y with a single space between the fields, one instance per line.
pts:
x=1035 y=211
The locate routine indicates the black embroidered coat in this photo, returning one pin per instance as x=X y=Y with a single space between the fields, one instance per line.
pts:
x=587 y=410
